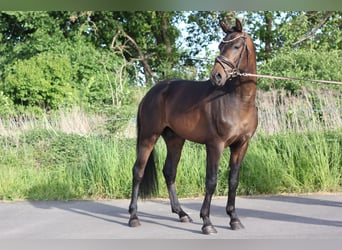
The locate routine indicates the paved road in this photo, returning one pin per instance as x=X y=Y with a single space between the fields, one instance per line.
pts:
x=311 y=216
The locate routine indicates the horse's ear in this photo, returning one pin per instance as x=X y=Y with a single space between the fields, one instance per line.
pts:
x=224 y=26
x=238 y=25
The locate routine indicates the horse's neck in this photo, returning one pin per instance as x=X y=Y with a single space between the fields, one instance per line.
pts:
x=245 y=90
x=247 y=86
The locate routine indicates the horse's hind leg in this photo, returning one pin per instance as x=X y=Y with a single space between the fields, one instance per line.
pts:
x=174 y=145
x=145 y=148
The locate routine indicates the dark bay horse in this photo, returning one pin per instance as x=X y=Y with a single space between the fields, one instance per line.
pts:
x=219 y=113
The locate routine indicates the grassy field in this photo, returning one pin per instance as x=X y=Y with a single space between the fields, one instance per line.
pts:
x=297 y=148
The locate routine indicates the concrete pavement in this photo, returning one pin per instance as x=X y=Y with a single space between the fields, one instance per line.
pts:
x=264 y=217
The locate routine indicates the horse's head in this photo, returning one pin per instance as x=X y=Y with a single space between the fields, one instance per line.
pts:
x=237 y=55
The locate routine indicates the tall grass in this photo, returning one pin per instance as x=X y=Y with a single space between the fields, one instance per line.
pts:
x=74 y=121
x=74 y=167
x=292 y=162
x=70 y=155
x=309 y=110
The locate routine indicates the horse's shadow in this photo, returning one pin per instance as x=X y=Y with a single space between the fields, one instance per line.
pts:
x=105 y=210
x=118 y=213
x=219 y=210
x=109 y=212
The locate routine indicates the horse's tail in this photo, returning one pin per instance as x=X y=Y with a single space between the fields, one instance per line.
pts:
x=149 y=183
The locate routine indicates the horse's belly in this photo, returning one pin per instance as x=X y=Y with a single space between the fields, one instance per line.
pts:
x=190 y=127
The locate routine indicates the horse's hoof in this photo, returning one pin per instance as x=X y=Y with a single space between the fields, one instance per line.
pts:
x=185 y=218
x=236 y=225
x=209 y=230
x=134 y=223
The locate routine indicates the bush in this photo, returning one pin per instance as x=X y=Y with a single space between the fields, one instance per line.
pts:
x=300 y=63
x=44 y=80
x=52 y=149
x=68 y=74
x=6 y=105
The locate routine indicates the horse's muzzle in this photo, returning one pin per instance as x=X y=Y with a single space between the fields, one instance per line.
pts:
x=219 y=79
x=214 y=79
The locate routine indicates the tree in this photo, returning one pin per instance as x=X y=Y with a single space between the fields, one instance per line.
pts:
x=48 y=61
x=263 y=27
x=148 y=36
x=202 y=28
x=111 y=51
x=274 y=30
x=312 y=29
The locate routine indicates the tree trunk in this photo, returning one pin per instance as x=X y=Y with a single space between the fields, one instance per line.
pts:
x=162 y=37
x=268 y=34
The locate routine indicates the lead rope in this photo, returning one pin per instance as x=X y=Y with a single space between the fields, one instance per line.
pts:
x=286 y=78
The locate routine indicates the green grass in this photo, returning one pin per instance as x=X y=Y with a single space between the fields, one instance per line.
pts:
x=294 y=163
x=46 y=165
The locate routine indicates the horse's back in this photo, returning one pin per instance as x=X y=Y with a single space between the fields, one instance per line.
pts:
x=177 y=93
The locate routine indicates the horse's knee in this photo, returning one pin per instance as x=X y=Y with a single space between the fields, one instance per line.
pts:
x=169 y=173
x=211 y=185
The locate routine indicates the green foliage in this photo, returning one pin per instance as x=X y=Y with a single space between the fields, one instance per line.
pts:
x=98 y=79
x=300 y=63
x=50 y=61
x=262 y=34
x=311 y=29
x=6 y=105
x=37 y=164
x=51 y=149
x=149 y=36
x=273 y=31
x=43 y=80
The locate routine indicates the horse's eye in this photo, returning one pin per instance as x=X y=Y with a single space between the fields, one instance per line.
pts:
x=236 y=46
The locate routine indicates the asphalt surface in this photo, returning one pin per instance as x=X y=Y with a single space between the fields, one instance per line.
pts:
x=271 y=217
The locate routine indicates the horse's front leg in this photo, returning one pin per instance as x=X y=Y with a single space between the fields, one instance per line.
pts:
x=213 y=159
x=236 y=157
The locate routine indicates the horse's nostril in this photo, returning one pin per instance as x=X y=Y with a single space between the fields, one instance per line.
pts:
x=218 y=77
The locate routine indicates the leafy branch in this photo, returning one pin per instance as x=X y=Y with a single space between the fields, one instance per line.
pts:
x=313 y=31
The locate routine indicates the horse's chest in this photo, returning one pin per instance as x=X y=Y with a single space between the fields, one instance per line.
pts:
x=225 y=124
x=234 y=123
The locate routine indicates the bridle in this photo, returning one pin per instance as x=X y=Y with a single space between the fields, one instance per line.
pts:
x=230 y=68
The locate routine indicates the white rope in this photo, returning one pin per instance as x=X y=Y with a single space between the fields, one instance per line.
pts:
x=290 y=78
